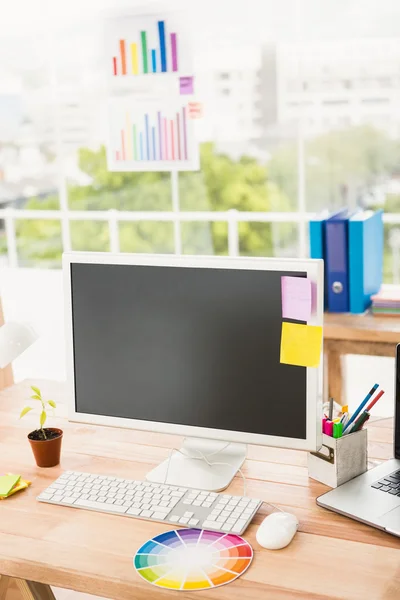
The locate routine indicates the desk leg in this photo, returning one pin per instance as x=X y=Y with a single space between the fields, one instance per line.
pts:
x=4 y=581
x=335 y=376
x=31 y=590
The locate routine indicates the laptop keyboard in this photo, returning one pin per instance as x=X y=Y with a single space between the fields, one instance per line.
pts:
x=389 y=484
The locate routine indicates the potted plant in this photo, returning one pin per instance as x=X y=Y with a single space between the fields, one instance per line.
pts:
x=45 y=442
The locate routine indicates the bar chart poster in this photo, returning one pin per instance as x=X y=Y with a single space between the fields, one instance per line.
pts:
x=149 y=45
x=151 y=136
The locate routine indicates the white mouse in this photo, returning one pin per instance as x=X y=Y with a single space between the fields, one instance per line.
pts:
x=277 y=530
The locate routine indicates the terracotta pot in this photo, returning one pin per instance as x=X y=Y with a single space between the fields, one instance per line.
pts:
x=47 y=452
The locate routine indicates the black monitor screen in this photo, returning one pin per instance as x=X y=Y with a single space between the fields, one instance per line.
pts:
x=190 y=346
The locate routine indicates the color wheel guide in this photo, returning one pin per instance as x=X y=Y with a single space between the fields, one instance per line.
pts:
x=193 y=559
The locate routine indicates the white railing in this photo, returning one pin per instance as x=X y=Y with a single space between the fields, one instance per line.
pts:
x=114 y=217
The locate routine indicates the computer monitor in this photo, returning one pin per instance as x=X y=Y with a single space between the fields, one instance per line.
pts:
x=190 y=346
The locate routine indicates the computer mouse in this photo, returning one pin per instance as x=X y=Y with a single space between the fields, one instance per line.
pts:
x=277 y=530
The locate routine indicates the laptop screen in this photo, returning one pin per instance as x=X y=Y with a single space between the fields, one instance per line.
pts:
x=397 y=407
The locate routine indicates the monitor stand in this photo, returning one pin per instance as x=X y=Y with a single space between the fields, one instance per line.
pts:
x=187 y=468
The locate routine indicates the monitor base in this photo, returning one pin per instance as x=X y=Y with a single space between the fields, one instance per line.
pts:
x=187 y=468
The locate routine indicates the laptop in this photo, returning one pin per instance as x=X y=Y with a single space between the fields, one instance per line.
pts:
x=374 y=497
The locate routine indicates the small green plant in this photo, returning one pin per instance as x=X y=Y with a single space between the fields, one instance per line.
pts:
x=43 y=415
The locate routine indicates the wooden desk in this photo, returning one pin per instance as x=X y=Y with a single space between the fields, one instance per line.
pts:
x=331 y=557
x=356 y=334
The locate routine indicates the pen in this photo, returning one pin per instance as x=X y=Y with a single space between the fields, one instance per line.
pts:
x=374 y=400
x=330 y=409
x=345 y=419
x=358 y=425
x=360 y=408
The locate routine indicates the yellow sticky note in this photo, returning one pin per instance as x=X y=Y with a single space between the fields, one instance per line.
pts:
x=7 y=482
x=301 y=344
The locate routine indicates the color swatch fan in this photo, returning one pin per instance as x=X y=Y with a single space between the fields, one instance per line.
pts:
x=193 y=559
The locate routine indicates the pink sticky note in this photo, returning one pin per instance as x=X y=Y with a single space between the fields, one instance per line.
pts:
x=186 y=85
x=296 y=298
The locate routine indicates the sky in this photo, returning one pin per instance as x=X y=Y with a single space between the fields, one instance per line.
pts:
x=248 y=18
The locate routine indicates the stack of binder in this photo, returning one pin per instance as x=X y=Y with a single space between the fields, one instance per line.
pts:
x=351 y=244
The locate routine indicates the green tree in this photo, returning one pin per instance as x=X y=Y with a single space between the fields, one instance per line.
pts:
x=222 y=184
x=354 y=158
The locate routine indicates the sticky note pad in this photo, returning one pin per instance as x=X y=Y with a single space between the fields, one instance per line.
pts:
x=186 y=85
x=301 y=344
x=7 y=483
x=296 y=298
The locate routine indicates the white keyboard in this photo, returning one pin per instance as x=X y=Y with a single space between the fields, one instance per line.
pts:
x=152 y=501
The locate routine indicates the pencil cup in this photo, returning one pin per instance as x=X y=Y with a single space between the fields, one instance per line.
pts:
x=339 y=459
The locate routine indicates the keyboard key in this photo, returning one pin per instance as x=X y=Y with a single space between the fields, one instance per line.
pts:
x=146 y=513
x=210 y=525
x=159 y=515
x=193 y=522
x=394 y=492
x=186 y=501
x=376 y=485
x=57 y=486
x=231 y=521
x=392 y=479
x=146 y=506
x=385 y=488
x=184 y=520
x=112 y=508
x=108 y=501
x=69 y=500
x=174 y=518
x=239 y=526
x=207 y=504
x=226 y=527
x=45 y=496
x=195 y=503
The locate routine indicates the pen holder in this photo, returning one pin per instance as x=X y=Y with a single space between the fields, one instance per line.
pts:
x=339 y=459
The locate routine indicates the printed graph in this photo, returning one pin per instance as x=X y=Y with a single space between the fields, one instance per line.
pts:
x=148 y=45
x=146 y=136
